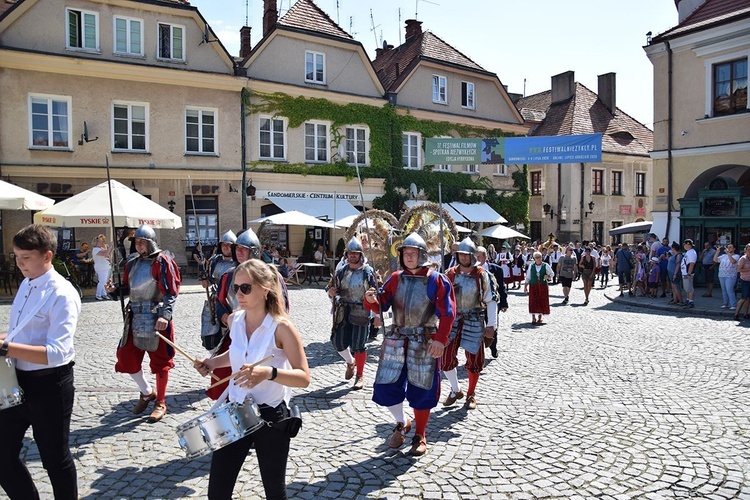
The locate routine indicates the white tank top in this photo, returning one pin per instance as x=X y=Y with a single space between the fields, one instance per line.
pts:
x=261 y=343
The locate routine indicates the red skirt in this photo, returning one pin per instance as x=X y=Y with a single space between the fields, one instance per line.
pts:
x=539 y=298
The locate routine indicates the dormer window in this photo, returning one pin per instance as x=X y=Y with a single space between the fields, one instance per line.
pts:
x=315 y=67
x=439 y=89
x=171 y=42
x=128 y=36
x=82 y=29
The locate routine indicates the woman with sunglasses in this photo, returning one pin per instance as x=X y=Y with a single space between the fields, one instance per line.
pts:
x=259 y=327
x=536 y=285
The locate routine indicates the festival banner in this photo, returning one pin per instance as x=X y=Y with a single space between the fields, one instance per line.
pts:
x=514 y=150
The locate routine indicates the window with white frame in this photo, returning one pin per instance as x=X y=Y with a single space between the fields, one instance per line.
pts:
x=171 y=42
x=640 y=184
x=128 y=36
x=355 y=148
x=441 y=168
x=200 y=130
x=315 y=67
x=130 y=126
x=597 y=181
x=411 y=150
x=471 y=169
x=439 y=89
x=316 y=142
x=501 y=169
x=49 y=122
x=730 y=87
x=467 y=95
x=82 y=29
x=272 y=138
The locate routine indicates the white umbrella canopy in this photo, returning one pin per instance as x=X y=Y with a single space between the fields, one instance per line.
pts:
x=501 y=232
x=13 y=197
x=294 y=218
x=91 y=209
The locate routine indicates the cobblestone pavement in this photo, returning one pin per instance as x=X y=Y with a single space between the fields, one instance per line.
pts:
x=606 y=400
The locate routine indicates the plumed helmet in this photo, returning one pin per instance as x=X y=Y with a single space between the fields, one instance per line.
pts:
x=469 y=247
x=414 y=240
x=355 y=245
x=147 y=233
x=247 y=239
x=228 y=237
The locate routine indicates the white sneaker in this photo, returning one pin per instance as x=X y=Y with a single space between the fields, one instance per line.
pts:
x=725 y=307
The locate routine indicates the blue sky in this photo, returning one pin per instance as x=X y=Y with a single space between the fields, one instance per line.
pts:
x=517 y=39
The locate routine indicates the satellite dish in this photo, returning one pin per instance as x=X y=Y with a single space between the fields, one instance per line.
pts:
x=85 y=135
x=413 y=191
x=207 y=36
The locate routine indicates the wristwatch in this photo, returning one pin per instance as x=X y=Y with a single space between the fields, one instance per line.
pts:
x=4 y=348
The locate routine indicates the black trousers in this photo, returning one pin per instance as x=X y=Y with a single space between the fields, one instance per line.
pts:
x=272 y=447
x=47 y=407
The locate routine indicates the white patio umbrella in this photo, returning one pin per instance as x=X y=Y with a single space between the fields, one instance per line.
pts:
x=91 y=209
x=13 y=197
x=501 y=232
x=293 y=218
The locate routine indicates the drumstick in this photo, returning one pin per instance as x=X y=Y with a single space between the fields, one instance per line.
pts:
x=226 y=379
x=177 y=348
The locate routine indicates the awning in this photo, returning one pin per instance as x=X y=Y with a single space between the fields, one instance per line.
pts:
x=320 y=208
x=465 y=212
x=478 y=212
x=632 y=228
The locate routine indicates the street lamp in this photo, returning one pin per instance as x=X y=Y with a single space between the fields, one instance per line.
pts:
x=591 y=209
x=548 y=210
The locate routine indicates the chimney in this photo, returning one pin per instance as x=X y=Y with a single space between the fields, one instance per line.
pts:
x=607 y=91
x=563 y=86
x=270 y=15
x=413 y=28
x=245 y=41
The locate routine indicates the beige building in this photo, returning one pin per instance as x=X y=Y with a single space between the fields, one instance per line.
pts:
x=583 y=201
x=143 y=83
x=427 y=78
x=701 y=123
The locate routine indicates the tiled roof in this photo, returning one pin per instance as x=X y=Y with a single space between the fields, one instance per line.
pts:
x=710 y=13
x=305 y=15
x=584 y=113
x=5 y=5
x=394 y=65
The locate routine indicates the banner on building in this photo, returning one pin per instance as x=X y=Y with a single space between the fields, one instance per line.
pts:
x=515 y=150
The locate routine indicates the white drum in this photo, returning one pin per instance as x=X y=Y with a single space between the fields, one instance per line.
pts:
x=191 y=439
x=11 y=393
x=215 y=429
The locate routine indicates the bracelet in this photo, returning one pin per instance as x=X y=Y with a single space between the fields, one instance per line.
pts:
x=4 y=348
x=274 y=373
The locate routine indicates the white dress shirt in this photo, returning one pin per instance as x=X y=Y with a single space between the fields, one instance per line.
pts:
x=53 y=325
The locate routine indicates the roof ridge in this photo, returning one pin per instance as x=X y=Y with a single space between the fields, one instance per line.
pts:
x=299 y=4
x=452 y=47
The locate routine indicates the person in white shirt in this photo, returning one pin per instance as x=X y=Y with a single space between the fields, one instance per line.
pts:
x=260 y=327
x=43 y=321
x=727 y=260
x=554 y=257
x=687 y=266
x=101 y=254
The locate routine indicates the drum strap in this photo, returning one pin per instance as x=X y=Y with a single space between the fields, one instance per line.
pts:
x=19 y=326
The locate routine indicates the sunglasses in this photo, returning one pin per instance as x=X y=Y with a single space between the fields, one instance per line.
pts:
x=245 y=288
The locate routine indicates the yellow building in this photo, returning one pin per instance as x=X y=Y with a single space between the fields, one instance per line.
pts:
x=701 y=149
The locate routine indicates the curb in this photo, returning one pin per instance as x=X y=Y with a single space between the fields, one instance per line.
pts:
x=697 y=311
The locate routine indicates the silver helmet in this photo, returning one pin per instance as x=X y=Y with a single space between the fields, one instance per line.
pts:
x=247 y=239
x=414 y=240
x=469 y=247
x=228 y=237
x=355 y=245
x=146 y=232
